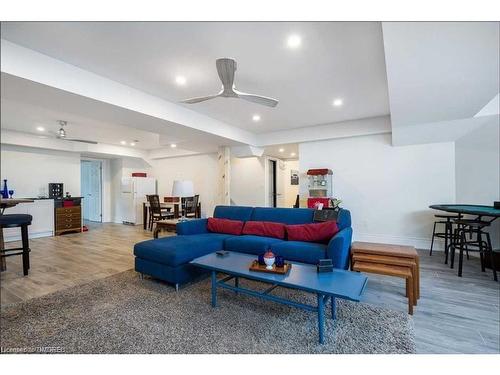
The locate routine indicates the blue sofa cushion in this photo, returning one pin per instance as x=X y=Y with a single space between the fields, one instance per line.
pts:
x=174 y=251
x=241 y=213
x=250 y=244
x=297 y=251
x=344 y=219
x=339 y=248
x=196 y=226
x=283 y=215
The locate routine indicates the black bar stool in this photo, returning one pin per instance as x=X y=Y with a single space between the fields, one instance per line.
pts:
x=447 y=221
x=462 y=242
x=14 y=221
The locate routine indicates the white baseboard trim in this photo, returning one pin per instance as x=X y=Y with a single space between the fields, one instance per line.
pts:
x=17 y=237
x=418 y=243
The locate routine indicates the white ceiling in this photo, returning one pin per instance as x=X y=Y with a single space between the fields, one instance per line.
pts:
x=287 y=152
x=440 y=71
x=26 y=105
x=26 y=118
x=336 y=60
x=440 y=74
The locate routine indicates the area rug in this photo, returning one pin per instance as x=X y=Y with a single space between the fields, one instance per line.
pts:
x=126 y=314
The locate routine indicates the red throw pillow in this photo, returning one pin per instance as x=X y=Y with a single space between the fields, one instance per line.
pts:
x=265 y=229
x=317 y=232
x=225 y=226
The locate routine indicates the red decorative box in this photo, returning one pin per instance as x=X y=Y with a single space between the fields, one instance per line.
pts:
x=139 y=174
x=311 y=202
x=68 y=203
x=319 y=172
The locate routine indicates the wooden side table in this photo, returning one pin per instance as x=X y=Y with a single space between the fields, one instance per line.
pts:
x=168 y=225
x=389 y=260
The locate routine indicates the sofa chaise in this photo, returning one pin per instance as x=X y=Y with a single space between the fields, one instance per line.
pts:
x=168 y=258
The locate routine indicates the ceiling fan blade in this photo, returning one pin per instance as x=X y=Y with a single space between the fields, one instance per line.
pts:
x=263 y=100
x=226 y=68
x=79 y=140
x=199 y=99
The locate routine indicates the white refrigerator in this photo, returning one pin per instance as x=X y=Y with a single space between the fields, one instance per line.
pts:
x=133 y=195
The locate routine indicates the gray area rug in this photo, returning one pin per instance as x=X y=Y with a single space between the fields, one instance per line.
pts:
x=124 y=314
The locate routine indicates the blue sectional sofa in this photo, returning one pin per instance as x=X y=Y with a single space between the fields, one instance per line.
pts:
x=168 y=258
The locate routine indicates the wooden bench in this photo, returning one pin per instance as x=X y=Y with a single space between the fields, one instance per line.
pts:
x=389 y=260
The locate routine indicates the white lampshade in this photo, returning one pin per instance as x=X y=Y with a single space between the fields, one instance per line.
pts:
x=182 y=189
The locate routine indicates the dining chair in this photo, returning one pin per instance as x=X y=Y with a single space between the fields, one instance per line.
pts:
x=155 y=210
x=17 y=221
x=471 y=235
x=447 y=221
x=190 y=206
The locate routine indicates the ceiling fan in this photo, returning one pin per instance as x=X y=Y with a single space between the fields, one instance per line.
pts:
x=226 y=68
x=61 y=134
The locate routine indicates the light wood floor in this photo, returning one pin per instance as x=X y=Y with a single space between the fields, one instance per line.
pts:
x=71 y=259
x=454 y=315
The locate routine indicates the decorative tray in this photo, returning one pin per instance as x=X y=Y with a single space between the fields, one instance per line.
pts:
x=255 y=266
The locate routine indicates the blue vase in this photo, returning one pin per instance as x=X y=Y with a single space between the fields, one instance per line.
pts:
x=5 y=190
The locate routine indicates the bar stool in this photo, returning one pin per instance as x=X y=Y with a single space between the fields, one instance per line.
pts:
x=14 y=221
x=478 y=244
x=447 y=234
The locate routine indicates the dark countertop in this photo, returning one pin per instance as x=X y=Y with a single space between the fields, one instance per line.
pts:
x=46 y=198
x=37 y=198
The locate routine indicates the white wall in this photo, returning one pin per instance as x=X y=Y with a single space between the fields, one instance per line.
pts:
x=29 y=170
x=478 y=170
x=478 y=166
x=248 y=179
x=201 y=169
x=387 y=189
x=290 y=191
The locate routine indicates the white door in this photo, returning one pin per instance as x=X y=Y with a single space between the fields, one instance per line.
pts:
x=91 y=190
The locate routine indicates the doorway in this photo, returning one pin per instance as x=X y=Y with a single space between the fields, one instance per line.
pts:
x=273 y=193
x=91 y=187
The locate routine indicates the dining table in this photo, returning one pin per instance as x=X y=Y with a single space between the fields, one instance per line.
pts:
x=469 y=209
x=164 y=206
x=4 y=204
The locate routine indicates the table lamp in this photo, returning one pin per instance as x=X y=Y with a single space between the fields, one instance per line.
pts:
x=182 y=188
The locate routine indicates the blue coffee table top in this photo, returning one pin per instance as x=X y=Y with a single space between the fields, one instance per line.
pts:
x=469 y=209
x=339 y=283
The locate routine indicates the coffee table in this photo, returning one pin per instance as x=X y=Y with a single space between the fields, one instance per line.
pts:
x=337 y=284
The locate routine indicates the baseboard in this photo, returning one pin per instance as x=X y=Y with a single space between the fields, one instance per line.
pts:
x=17 y=237
x=417 y=242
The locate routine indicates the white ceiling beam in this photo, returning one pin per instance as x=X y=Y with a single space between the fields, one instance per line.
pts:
x=353 y=128
x=164 y=153
x=492 y=108
x=14 y=138
x=436 y=132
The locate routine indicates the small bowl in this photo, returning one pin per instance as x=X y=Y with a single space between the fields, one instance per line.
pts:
x=269 y=263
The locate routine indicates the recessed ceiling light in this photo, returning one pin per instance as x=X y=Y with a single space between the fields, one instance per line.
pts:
x=338 y=102
x=294 y=41
x=180 y=80
x=132 y=143
x=173 y=145
x=293 y=154
x=123 y=142
x=281 y=150
x=40 y=128
x=256 y=118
